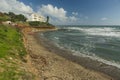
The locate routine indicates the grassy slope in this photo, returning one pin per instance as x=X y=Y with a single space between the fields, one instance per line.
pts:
x=10 y=42
x=12 y=52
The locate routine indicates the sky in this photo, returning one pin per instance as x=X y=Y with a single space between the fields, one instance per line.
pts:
x=68 y=12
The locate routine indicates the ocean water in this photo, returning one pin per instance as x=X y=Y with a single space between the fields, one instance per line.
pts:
x=100 y=43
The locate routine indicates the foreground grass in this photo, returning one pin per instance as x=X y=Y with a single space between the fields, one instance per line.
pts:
x=10 y=42
x=12 y=52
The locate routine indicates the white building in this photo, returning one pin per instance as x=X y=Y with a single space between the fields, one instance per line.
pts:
x=36 y=17
x=7 y=22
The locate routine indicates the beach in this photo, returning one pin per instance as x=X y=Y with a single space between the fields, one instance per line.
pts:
x=60 y=40
x=46 y=64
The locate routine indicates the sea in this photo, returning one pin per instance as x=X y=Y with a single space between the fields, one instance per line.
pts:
x=101 y=43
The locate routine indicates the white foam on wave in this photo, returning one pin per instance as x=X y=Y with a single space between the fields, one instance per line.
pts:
x=103 y=31
x=56 y=37
x=100 y=31
x=91 y=56
x=95 y=57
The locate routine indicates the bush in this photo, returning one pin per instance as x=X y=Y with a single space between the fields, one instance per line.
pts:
x=40 y=24
x=12 y=17
x=4 y=18
x=34 y=23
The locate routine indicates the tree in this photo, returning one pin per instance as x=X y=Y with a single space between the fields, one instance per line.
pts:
x=15 y=17
x=34 y=23
x=47 y=19
x=12 y=17
x=21 y=17
x=11 y=14
x=4 y=17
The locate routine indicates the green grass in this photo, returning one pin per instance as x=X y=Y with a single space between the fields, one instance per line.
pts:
x=12 y=72
x=11 y=46
x=10 y=42
x=9 y=73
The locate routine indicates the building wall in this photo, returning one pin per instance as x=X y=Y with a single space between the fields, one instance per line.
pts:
x=36 y=17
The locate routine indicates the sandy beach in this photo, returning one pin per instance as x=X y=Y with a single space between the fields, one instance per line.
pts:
x=47 y=65
x=59 y=39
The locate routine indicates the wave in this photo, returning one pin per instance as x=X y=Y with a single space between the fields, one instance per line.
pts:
x=94 y=57
x=89 y=42
x=85 y=52
x=100 y=31
x=91 y=56
x=56 y=38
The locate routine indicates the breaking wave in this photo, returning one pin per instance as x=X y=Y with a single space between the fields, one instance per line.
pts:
x=104 y=31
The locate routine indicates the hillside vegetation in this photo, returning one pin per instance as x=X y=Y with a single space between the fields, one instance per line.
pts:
x=12 y=54
x=10 y=42
x=14 y=62
x=12 y=17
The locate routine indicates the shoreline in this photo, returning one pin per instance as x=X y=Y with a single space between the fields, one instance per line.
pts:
x=83 y=61
x=46 y=63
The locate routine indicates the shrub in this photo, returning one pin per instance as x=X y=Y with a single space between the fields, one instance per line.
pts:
x=40 y=24
x=4 y=18
x=34 y=23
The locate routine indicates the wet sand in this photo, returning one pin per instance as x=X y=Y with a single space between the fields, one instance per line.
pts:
x=50 y=63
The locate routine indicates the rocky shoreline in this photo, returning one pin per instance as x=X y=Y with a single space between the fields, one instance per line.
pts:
x=46 y=64
x=86 y=62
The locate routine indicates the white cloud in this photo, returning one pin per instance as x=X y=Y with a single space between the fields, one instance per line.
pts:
x=104 y=18
x=57 y=15
x=75 y=13
x=14 y=6
x=53 y=11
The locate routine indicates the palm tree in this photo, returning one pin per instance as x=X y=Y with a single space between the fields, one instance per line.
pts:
x=47 y=19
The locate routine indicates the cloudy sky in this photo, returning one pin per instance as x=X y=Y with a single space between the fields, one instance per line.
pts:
x=75 y=12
